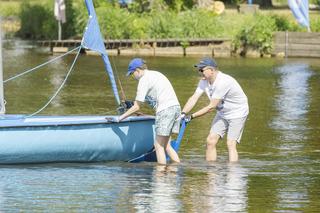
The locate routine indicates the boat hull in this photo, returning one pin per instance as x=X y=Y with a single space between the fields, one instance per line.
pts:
x=74 y=139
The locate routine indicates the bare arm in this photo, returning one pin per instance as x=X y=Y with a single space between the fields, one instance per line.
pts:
x=130 y=111
x=191 y=102
x=212 y=105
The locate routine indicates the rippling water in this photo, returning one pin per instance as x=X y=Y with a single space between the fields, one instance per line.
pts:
x=279 y=167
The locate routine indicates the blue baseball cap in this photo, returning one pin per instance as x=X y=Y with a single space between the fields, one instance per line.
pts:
x=206 y=62
x=134 y=64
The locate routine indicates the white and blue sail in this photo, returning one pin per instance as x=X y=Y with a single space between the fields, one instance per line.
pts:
x=92 y=40
x=300 y=10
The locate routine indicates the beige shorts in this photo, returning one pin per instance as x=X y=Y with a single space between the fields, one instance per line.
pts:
x=167 y=121
x=233 y=127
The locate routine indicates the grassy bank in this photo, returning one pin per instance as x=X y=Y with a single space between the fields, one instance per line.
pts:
x=160 y=20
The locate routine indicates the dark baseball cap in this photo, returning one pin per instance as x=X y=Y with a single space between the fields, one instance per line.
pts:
x=205 y=62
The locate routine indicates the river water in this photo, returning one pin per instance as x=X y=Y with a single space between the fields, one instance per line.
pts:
x=279 y=166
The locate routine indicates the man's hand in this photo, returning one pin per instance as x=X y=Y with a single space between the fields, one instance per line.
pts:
x=128 y=104
x=113 y=119
x=188 y=118
x=182 y=116
x=124 y=106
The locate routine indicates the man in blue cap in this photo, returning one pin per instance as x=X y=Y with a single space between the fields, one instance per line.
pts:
x=155 y=89
x=227 y=97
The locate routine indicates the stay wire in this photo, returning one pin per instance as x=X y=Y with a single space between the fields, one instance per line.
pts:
x=41 y=65
x=61 y=86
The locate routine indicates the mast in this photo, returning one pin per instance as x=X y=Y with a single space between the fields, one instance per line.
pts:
x=2 y=107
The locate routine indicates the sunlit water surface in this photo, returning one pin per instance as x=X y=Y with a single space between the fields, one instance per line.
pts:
x=279 y=167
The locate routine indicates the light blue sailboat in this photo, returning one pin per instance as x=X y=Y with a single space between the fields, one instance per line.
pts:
x=51 y=139
x=45 y=139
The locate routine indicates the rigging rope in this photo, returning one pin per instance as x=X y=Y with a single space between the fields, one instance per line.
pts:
x=119 y=81
x=61 y=86
x=41 y=65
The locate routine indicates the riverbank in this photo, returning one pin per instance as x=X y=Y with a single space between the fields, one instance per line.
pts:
x=285 y=44
x=251 y=34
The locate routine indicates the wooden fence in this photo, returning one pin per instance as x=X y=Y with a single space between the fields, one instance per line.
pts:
x=297 y=44
x=153 y=47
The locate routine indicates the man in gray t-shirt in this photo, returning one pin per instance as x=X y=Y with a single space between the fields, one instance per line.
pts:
x=227 y=97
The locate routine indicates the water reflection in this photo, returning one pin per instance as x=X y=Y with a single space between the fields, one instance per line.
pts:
x=163 y=194
x=227 y=191
x=217 y=188
x=292 y=103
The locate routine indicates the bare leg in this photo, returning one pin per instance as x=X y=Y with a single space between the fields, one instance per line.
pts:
x=161 y=143
x=232 y=148
x=211 y=152
x=172 y=153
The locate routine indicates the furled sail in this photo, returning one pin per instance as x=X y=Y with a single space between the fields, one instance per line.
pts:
x=92 y=40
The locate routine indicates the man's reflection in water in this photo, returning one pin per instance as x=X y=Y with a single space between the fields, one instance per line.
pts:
x=162 y=195
x=224 y=190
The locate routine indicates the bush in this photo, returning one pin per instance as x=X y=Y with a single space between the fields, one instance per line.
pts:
x=283 y=23
x=38 y=22
x=116 y=23
x=258 y=34
x=315 y=25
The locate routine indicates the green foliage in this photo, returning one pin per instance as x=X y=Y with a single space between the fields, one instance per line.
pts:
x=187 y=24
x=159 y=19
x=139 y=6
x=164 y=25
x=116 y=23
x=38 y=22
x=199 y=24
x=258 y=34
x=315 y=25
x=283 y=23
x=9 y=9
x=35 y=22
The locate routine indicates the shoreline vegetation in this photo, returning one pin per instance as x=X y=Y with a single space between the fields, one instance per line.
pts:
x=159 y=19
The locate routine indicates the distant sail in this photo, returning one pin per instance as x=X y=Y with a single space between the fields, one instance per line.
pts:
x=300 y=10
x=60 y=10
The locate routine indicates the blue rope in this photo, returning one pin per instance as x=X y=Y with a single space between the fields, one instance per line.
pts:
x=61 y=86
x=41 y=65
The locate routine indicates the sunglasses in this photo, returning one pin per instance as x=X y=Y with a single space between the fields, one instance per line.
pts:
x=203 y=69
